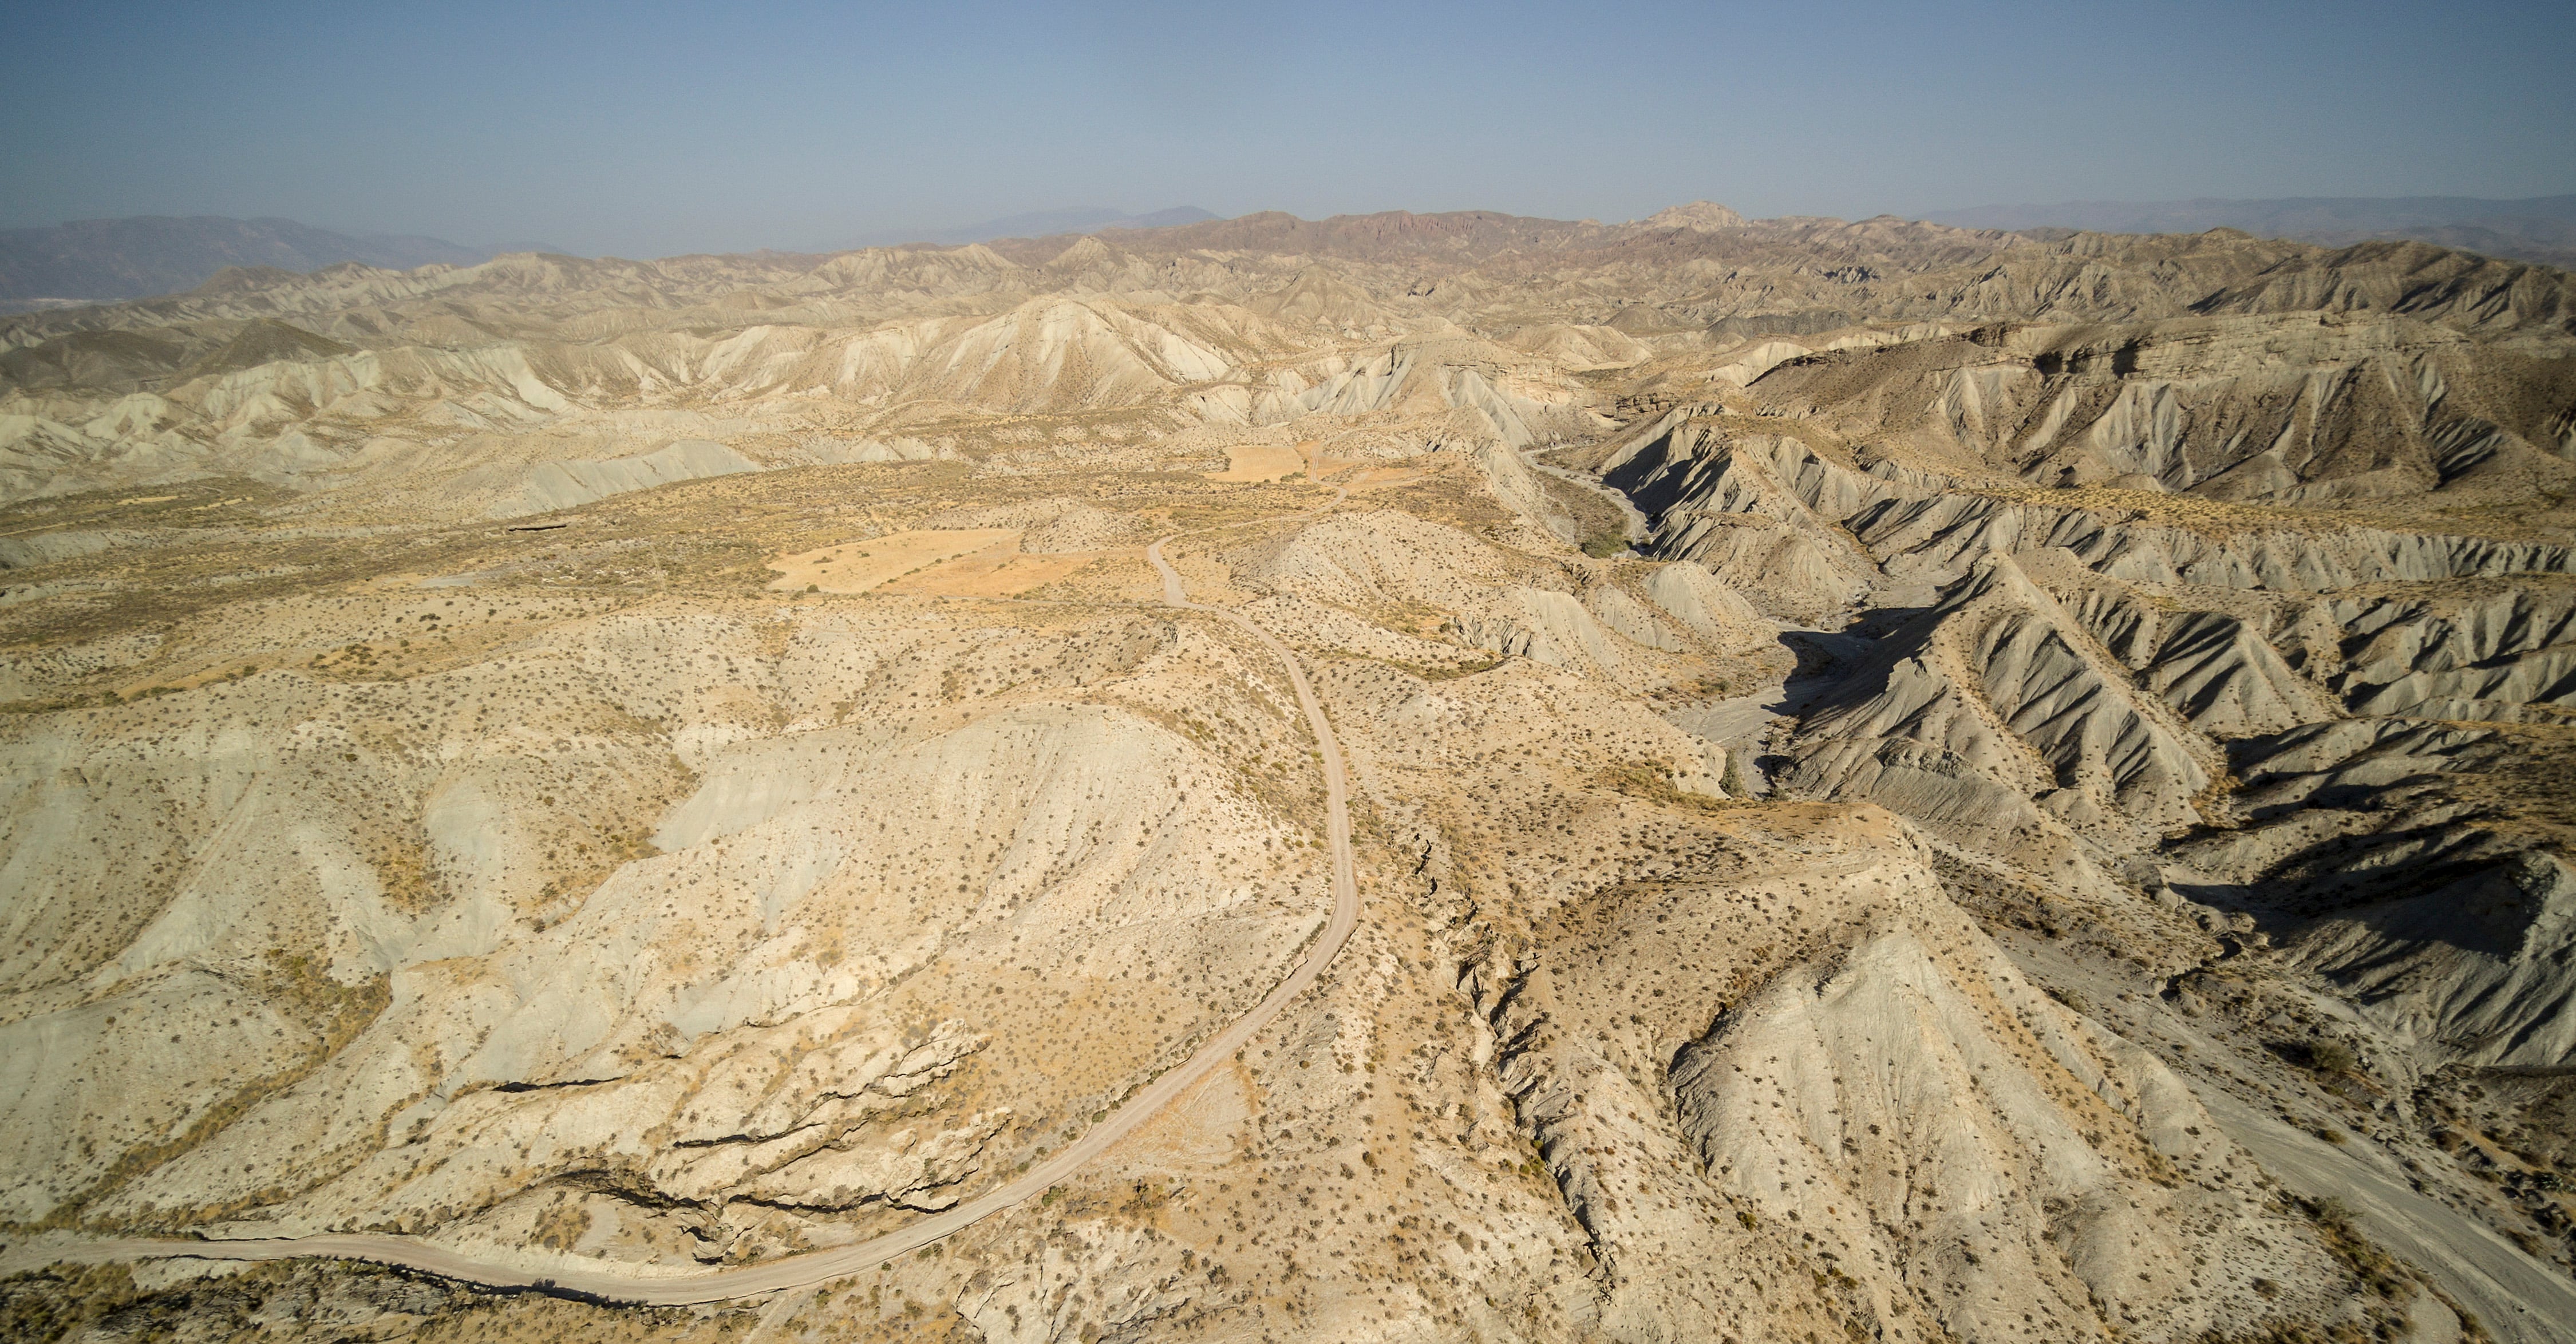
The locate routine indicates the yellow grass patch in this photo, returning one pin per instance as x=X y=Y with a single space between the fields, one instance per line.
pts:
x=1261 y=462
x=858 y=566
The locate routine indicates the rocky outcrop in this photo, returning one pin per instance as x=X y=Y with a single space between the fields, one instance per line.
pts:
x=2481 y=970
x=1995 y=709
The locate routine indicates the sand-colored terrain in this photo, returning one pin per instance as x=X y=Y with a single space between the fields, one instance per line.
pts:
x=2034 y=806
x=991 y=572
x=862 y=566
x=1254 y=462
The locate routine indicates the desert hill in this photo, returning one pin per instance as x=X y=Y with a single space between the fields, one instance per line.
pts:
x=1900 y=782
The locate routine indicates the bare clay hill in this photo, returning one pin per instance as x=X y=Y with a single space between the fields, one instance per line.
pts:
x=1396 y=777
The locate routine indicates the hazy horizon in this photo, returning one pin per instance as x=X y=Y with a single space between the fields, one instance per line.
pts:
x=647 y=131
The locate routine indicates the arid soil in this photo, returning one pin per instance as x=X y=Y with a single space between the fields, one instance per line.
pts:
x=1903 y=783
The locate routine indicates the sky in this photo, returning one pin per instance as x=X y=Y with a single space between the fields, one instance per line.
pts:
x=646 y=129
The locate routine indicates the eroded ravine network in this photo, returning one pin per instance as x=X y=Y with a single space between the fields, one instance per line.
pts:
x=817 y=1267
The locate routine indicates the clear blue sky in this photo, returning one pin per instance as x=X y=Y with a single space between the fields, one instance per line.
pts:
x=646 y=129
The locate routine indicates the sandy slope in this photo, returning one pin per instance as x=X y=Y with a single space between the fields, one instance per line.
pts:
x=805 y=1271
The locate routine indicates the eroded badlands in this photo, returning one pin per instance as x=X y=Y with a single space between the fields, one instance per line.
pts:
x=1903 y=783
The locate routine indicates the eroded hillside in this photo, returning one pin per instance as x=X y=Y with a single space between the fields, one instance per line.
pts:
x=1904 y=783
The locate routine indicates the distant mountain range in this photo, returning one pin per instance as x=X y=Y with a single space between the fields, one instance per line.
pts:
x=90 y=260
x=1034 y=224
x=101 y=260
x=2538 y=228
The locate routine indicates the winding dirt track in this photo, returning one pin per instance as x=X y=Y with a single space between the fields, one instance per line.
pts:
x=816 y=1267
